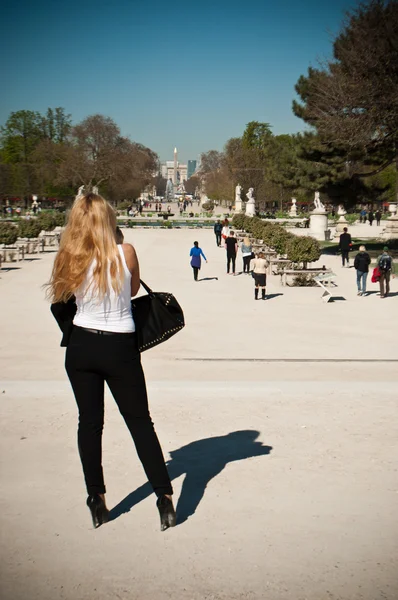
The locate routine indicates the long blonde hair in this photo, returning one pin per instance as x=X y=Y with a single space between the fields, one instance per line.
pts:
x=90 y=235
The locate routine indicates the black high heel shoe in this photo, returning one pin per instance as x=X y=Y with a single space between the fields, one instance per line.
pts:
x=99 y=512
x=166 y=512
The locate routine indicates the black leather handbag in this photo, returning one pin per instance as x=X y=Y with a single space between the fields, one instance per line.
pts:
x=157 y=317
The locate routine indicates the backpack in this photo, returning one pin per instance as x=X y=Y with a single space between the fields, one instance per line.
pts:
x=385 y=262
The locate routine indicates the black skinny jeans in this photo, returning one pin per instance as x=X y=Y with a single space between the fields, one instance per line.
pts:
x=218 y=238
x=345 y=256
x=231 y=257
x=195 y=273
x=92 y=359
x=246 y=263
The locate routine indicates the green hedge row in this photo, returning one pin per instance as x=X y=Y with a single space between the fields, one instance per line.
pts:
x=10 y=232
x=298 y=249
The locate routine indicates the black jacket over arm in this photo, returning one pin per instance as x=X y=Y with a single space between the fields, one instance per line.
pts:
x=64 y=313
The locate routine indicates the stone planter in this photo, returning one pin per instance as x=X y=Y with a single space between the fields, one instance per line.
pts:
x=11 y=253
x=31 y=245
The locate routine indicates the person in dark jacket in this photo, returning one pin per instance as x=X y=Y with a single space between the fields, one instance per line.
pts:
x=371 y=217
x=345 y=246
x=361 y=263
x=378 y=216
x=217 y=231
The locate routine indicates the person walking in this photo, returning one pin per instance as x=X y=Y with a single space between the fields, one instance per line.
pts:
x=260 y=275
x=378 y=216
x=196 y=261
x=345 y=246
x=362 y=216
x=371 y=217
x=386 y=266
x=102 y=347
x=361 y=264
x=217 y=232
x=247 y=254
x=225 y=230
x=231 y=245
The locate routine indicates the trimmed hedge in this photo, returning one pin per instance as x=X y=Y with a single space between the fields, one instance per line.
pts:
x=8 y=233
x=298 y=249
x=29 y=229
x=303 y=249
x=47 y=222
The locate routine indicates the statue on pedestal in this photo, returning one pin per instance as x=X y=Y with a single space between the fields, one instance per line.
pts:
x=319 y=207
x=238 y=199
x=250 y=204
x=293 y=208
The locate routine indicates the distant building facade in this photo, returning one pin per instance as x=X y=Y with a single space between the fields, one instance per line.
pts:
x=176 y=171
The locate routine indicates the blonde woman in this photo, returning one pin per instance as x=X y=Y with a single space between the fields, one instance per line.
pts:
x=247 y=253
x=103 y=276
x=259 y=273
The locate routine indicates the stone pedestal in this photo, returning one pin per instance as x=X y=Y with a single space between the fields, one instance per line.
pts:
x=392 y=207
x=238 y=206
x=250 y=209
x=391 y=229
x=318 y=224
x=341 y=223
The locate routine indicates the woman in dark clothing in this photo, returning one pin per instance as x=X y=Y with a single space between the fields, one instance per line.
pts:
x=94 y=267
x=361 y=264
x=196 y=261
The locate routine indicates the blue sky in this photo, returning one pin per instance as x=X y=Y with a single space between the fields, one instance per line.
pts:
x=186 y=74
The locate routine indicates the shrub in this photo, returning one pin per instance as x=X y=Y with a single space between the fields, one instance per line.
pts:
x=29 y=229
x=302 y=280
x=208 y=206
x=303 y=249
x=124 y=205
x=60 y=219
x=47 y=222
x=238 y=221
x=8 y=234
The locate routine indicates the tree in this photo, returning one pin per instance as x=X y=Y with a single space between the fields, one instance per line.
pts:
x=303 y=250
x=96 y=154
x=352 y=101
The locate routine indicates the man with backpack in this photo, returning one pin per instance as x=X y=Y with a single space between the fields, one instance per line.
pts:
x=385 y=264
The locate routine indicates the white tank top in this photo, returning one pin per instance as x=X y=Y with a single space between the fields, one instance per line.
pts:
x=113 y=311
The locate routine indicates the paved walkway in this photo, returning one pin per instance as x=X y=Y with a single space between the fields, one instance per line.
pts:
x=281 y=444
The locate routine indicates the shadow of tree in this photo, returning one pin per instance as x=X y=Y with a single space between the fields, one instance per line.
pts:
x=201 y=461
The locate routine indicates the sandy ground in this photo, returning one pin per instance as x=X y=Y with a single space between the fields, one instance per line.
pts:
x=278 y=420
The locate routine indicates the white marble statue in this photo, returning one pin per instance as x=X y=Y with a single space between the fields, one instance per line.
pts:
x=238 y=191
x=250 y=204
x=318 y=204
x=341 y=210
x=95 y=190
x=80 y=191
x=293 y=208
x=249 y=196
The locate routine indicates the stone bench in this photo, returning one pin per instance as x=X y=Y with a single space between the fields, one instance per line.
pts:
x=12 y=253
x=284 y=274
x=31 y=245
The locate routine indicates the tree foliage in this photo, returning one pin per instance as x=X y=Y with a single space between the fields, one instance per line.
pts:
x=303 y=249
x=352 y=100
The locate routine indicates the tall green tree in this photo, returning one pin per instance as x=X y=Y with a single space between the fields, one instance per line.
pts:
x=352 y=101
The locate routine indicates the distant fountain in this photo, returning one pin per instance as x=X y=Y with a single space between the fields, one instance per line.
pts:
x=169 y=190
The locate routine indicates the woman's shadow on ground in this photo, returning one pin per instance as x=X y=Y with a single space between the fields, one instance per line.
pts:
x=201 y=461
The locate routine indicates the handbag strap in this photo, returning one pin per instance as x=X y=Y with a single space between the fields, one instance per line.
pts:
x=146 y=287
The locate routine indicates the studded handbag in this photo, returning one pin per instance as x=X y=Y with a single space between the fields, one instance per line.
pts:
x=157 y=317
